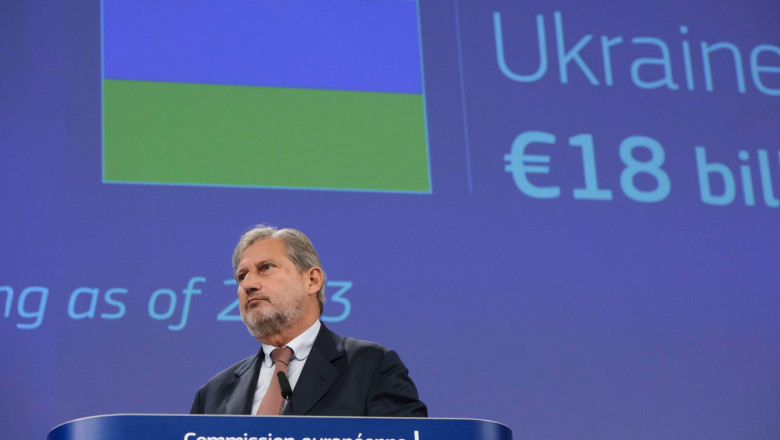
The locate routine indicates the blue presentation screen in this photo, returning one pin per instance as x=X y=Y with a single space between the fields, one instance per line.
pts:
x=564 y=216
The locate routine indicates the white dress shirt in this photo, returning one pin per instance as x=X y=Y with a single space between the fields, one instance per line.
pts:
x=301 y=346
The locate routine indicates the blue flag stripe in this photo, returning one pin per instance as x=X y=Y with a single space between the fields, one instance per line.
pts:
x=360 y=45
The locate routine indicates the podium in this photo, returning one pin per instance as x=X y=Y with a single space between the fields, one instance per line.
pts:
x=229 y=427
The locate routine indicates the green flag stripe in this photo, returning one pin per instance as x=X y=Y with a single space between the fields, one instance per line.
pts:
x=175 y=133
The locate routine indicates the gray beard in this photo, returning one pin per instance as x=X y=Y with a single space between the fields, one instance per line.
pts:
x=280 y=320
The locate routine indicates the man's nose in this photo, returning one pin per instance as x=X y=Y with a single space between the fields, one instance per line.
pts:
x=250 y=282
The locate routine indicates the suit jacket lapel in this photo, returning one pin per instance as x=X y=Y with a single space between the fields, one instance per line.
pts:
x=318 y=373
x=239 y=401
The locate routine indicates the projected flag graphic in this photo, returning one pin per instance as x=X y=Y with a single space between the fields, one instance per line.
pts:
x=292 y=94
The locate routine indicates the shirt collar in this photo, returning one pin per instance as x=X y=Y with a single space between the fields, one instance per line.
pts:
x=301 y=345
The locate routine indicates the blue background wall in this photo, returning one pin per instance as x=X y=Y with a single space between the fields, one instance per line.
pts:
x=649 y=315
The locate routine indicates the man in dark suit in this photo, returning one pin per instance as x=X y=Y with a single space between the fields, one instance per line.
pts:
x=281 y=288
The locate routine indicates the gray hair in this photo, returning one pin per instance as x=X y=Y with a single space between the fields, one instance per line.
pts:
x=299 y=250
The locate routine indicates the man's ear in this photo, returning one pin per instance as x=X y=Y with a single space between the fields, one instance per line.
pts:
x=315 y=279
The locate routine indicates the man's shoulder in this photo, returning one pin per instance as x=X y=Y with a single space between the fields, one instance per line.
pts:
x=214 y=396
x=355 y=345
x=347 y=344
x=356 y=350
x=375 y=376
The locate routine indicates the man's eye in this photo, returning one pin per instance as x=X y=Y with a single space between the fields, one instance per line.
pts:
x=267 y=266
x=241 y=276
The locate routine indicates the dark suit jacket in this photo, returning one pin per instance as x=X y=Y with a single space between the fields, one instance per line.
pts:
x=341 y=377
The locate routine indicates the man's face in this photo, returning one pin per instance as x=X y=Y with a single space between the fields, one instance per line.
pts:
x=271 y=291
